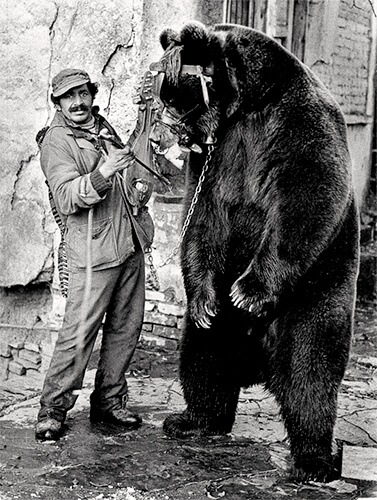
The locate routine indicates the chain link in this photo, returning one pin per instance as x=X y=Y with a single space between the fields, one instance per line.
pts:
x=152 y=278
x=190 y=212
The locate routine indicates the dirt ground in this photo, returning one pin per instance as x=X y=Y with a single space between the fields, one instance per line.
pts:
x=99 y=462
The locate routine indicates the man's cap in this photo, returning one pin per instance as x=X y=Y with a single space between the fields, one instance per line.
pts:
x=67 y=79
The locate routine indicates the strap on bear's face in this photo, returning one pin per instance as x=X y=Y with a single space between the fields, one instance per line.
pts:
x=170 y=118
x=204 y=75
x=188 y=69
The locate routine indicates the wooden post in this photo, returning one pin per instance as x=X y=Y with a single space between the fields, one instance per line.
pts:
x=300 y=22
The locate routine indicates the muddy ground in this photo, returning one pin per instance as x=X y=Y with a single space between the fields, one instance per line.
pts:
x=101 y=462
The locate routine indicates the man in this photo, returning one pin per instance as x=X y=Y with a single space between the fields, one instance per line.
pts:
x=81 y=169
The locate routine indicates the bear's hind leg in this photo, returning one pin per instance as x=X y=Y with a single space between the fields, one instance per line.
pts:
x=306 y=369
x=209 y=382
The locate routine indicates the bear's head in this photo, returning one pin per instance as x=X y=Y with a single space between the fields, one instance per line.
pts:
x=189 y=67
x=212 y=75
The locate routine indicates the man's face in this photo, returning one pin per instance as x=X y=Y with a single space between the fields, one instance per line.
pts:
x=76 y=104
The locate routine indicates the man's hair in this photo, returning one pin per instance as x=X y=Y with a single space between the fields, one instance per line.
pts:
x=92 y=87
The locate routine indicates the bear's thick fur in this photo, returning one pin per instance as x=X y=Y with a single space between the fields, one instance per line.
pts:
x=270 y=255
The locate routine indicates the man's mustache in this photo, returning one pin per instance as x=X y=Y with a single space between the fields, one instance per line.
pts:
x=81 y=107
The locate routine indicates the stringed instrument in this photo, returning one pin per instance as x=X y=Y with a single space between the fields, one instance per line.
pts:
x=138 y=180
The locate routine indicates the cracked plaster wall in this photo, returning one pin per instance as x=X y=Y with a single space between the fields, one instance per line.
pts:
x=114 y=41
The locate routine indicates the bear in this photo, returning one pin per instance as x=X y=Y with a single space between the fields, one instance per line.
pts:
x=270 y=242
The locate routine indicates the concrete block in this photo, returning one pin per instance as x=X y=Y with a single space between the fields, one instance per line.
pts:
x=148 y=339
x=159 y=319
x=166 y=332
x=359 y=463
x=153 y=340
x=153 y=295
x=171 y=309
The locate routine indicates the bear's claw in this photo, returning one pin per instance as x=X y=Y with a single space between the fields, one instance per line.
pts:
x=318 y=469
x=202 y=313
x=179 y=425
x=250 y=304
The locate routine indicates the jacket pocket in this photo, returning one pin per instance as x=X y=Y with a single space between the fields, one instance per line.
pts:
x=103 y=244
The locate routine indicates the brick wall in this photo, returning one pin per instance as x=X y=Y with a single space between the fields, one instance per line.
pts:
x=24 y=351
x=162 y=320
x=346 y=72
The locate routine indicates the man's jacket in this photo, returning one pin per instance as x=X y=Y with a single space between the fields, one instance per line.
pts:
x=70 y=159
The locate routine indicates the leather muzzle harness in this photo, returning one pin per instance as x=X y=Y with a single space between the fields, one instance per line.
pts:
x=169 y=118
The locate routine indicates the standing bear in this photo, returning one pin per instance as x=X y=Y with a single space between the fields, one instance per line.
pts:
x=270 y=247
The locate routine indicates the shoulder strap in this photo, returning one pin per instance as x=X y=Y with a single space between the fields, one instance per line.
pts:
x=41 y=135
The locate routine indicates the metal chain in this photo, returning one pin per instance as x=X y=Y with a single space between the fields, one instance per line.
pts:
x=193 y=203
x=152 y=278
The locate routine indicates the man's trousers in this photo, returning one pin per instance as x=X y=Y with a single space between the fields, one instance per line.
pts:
x=118 y=293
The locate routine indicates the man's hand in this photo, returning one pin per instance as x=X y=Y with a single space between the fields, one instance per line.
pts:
x=117 y=160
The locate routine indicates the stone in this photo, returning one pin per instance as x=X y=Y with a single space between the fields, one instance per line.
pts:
x=30 y=346
x=16 y=368
x=31 y=356
x=149 y=306
x=368 y=361
x=5 y=350
x=342 y=486
x=4 y=368
x=170 y=344
x=147 y=327
x=359 y=463
x=16 y=344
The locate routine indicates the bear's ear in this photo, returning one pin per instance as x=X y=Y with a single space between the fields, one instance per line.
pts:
x=167 y=37
x=195 y=40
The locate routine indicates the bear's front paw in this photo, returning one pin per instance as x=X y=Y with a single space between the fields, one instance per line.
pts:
x=255 y=303
x=202 y=306
x=202 y=310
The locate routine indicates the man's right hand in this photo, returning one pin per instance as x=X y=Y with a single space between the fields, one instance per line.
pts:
x=116 y=161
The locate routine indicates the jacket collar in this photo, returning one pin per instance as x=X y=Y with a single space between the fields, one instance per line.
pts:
x=60 y=120
x=75 y=130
